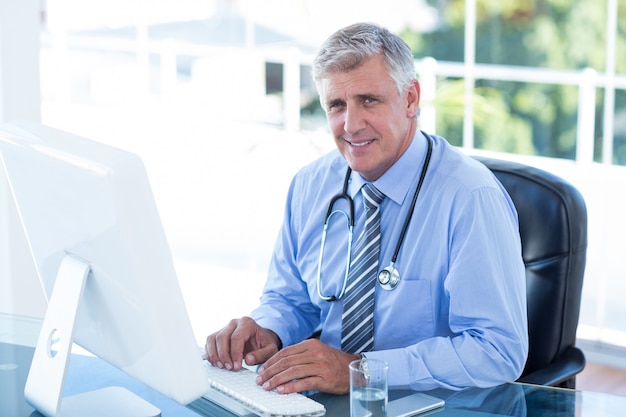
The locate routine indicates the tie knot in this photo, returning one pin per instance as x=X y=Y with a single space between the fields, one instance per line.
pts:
x=372 y=196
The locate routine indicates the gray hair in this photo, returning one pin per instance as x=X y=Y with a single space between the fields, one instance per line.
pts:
x=349 y=47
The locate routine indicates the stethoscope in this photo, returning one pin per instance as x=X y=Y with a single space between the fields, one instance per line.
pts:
x=389 y=277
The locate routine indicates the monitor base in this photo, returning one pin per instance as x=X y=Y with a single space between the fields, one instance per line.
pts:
x=46 y=379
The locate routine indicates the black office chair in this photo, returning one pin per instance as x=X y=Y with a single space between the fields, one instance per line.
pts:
x=553 y=228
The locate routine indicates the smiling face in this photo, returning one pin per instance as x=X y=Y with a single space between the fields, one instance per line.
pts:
x=371 y=122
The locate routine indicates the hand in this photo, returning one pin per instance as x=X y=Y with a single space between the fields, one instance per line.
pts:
x=241 y=337
x=309 y=365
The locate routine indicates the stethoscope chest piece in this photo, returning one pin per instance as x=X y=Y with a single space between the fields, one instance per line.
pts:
x=389 y=278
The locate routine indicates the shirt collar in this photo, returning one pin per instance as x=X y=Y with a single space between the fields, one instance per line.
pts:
x=395 y=183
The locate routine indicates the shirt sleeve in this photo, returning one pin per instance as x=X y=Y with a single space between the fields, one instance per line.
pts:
x=487 y=317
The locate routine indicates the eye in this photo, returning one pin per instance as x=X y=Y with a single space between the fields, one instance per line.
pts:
x=369 y=100
x=335 y=106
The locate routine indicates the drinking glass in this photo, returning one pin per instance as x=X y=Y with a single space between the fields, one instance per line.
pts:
x=368 y=388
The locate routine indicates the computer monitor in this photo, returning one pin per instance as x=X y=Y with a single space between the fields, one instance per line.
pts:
x=99 y=248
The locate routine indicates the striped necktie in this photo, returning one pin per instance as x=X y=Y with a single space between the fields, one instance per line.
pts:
x=357 y=333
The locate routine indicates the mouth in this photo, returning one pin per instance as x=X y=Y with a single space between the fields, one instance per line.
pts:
x=359 y=144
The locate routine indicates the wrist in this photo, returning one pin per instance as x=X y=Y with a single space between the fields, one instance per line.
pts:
x=279 y=343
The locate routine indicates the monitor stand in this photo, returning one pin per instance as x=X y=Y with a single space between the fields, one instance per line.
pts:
x=46 y=378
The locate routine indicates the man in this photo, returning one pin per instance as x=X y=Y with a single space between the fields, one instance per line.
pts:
x=457 y=316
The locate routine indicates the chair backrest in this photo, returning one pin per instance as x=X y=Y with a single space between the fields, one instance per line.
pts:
x=553 y=228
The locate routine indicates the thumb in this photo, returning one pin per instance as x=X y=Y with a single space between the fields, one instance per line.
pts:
x=259 y=356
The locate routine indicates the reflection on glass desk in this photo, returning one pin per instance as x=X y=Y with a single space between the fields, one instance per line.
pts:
x=87 y=373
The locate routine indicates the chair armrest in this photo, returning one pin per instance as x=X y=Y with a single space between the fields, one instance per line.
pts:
x=563 y=368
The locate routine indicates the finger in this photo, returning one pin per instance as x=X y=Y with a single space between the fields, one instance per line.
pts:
x=299 y=385
x=239 y=340
x=261 y=355
x=223 y=345
x=284 y=354
x=211 y=350
x=292 y=379
x=287 y=365
x=236 y=353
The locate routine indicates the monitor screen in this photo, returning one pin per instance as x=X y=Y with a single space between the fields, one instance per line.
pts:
x=93 y=201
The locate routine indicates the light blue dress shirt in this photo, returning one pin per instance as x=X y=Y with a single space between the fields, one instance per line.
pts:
x=458 y=316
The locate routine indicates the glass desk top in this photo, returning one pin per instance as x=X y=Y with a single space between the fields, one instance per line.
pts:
x=88 y=373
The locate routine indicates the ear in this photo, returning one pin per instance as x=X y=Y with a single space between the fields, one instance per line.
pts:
x=413 y=94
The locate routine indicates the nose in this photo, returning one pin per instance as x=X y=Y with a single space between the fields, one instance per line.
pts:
x=353 y=121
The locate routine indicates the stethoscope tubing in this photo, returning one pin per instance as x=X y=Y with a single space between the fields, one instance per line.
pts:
x=350 y=226
x=407 y=219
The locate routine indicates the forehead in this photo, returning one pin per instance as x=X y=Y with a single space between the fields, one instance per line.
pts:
x=371 y=77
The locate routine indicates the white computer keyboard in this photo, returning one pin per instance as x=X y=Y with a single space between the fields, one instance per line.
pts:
x=241 y=386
